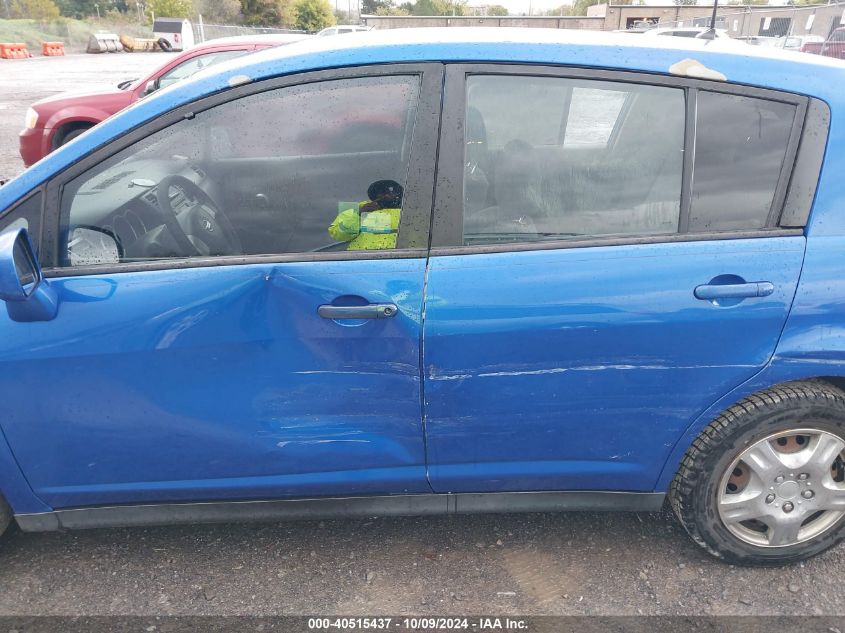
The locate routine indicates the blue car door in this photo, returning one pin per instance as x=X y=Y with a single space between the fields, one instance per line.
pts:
x=607 y=264
x=213 y=340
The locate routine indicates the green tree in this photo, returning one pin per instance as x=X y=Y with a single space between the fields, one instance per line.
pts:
x=313 y=15
x=438 y=7
x=170 y=8
x=42 y=10
x=220 y=11
x=497 y=9
x=77 y=8
x=373 y=7
x=268 y=12
x=391 y=10
x=685 y=2
x=579 y=7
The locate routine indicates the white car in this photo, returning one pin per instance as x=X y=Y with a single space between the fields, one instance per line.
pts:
x=687 y=31
x=340 y=29
x=795 y=42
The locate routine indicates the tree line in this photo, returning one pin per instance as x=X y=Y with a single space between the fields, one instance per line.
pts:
x=305 y=15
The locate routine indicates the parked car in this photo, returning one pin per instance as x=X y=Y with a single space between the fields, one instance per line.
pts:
x=549 y=288
x=341 y=29
x=54 y=121
x=795 y=42
x=834 y=46
x=688 y=31
x=758 y=40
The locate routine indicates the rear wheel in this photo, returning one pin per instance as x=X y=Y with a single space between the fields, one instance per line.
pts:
x=764 y=483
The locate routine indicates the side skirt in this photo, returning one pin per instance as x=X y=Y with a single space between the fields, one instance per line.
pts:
x=325 y=508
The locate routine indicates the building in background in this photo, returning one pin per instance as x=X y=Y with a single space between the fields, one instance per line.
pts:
x=744 y=21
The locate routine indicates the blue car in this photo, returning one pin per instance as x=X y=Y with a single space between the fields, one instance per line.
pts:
x=441 y=271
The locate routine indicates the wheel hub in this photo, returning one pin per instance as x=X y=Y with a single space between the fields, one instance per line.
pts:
x=788 y=490
x=785 y=488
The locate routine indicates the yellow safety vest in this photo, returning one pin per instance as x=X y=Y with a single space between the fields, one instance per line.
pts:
x=373 y=230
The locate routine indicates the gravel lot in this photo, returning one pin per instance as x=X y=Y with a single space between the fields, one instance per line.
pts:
x=23 y=81
x=608 y=564
x=566 y=564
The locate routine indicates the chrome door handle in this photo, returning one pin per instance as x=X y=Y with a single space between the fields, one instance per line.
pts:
x=709 y=292
x=372 y=311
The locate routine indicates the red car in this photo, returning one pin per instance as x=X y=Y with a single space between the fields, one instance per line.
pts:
x=833 y=47
x=54 y=121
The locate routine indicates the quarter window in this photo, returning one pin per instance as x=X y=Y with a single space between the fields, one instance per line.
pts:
x=26 y=215
x=310 y=168
x=740 y=147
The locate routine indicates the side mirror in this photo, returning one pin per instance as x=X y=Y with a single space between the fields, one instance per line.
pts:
x=27 y=294
x=150 y=88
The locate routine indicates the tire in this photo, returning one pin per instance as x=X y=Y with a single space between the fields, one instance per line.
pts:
x=67 y=138
x=775 y=424
x=164 y=45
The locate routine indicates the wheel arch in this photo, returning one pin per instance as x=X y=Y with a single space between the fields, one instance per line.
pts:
x=775 y=374
x=61 y=132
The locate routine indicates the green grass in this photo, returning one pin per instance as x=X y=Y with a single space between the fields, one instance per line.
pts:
x=74 y=33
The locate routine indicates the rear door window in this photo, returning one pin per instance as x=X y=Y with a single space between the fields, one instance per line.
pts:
x=550 y=158
x=577 y=158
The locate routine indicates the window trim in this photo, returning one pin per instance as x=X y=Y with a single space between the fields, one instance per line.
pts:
x=447 y=217
x=417 y=203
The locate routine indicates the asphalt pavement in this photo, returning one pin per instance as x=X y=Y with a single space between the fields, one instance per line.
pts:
x=24 y=81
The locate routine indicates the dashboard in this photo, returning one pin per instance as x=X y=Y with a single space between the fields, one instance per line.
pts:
x=121 y=205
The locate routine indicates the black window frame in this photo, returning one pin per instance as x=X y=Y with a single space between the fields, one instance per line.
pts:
x=414 y=236
x=792 y=200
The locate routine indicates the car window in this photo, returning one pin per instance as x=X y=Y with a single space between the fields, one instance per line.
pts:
x=315 y=167
x=26 y=215
x=740 y=147
x=195 y=64
x=594 y=158
x=570 y=157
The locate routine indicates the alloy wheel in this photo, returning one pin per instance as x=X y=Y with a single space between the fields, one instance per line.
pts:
x=784 y=489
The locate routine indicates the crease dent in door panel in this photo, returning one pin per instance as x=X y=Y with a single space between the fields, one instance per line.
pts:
x=559 y=370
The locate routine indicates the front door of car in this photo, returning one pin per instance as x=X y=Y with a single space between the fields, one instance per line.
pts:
x=589 y=292
x=202 y=350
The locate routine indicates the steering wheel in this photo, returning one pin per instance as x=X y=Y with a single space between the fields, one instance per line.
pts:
x=200 y=230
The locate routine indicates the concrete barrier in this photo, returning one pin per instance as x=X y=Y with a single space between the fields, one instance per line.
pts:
x=104 y=43
x=52 y=49
x=13 y=50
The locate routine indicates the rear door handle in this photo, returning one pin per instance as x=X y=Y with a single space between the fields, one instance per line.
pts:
x=372 y=311
x=708 y=292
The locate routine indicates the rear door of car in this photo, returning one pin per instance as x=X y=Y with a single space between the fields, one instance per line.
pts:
x=607 y=260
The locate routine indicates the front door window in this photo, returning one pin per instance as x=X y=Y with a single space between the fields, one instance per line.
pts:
x=310 y=168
